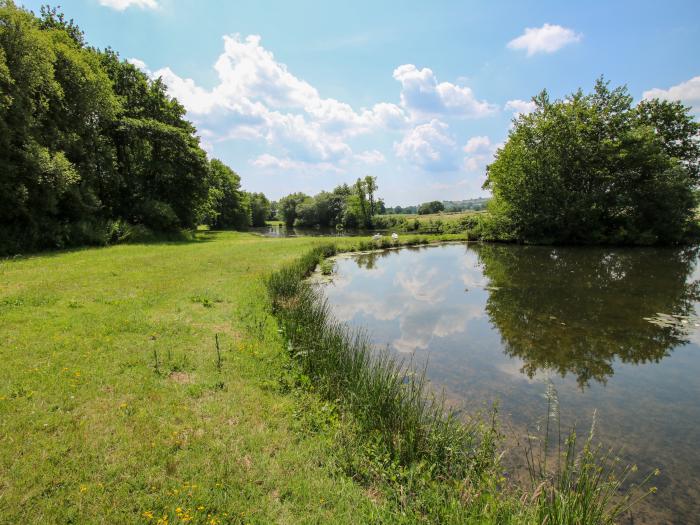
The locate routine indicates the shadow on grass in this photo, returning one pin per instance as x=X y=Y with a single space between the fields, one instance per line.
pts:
x=177 y=238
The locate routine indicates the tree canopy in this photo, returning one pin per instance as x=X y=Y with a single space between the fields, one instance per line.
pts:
x=346 y=206
x=593 y=168
x=89 y=144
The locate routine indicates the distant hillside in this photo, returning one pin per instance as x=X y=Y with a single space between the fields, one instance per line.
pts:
x=450 y=206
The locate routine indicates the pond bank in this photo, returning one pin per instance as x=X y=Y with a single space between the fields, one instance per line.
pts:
x=403 y=439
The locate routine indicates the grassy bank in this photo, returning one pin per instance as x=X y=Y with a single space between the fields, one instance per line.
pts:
x=432 y=465
x=113 y=408
x=118 y=406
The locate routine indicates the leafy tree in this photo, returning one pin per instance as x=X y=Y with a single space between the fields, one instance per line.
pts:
x=89 y=144
x=593 y=168
x=259 y=209
x=230 y=207
x=430 y=207
x=287 y=207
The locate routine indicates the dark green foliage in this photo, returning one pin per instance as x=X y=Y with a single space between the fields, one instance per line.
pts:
x=287 y=207
x=345 y=206
x=430 y=207
x=88 y=142
x=259 y=208
x=593 y=168
x=227 y=207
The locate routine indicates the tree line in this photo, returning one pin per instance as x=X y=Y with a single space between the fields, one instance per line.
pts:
x=346 y=207
x=92 y=150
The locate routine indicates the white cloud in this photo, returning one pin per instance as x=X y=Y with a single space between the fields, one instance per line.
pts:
x=139 y=64
x=480 y=152
x=520 y=107
x=423 y=96
x=258 y=97
x=546 y=39
x=687 y=92
x=267 y=161
x=475 y=144
x=121 y=5
x=370 y=157
x=429 y=146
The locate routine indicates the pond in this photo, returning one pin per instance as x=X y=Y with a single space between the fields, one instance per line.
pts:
x=614 y=330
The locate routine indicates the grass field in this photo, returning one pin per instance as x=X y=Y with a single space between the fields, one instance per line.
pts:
x=150 y=383
x=113 y=408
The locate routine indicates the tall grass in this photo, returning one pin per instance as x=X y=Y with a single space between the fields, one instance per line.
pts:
x=586 y=484
x=386 y=397
x=393 y=405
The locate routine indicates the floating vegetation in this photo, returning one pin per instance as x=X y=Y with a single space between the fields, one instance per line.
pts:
x=684 y=323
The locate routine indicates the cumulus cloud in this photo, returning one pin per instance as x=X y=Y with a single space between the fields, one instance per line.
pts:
x=687 y=92
x=139 y=64
x=267 y=161
x=370 y=157
x=121 y=5
x=258 y=97
x=475 y=144
x=520 y=107
x=422 y=95
x=546 y=39
x=480 y=151
x=429 y=146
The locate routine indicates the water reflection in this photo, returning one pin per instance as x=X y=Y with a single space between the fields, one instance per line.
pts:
x=593 y=309
x=495 y=320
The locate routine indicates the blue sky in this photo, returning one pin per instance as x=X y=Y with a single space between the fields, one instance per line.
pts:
x=302 y=96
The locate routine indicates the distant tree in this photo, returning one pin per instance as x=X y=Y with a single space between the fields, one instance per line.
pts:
x=232 y=209
x=259 y=208
x=272 y=215
x=287 y=207
x=430 y=207
x=593 y=168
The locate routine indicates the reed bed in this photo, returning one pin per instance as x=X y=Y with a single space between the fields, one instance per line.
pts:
x=393 y=404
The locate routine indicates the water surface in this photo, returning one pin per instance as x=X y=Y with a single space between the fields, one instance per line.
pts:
x=613 y=329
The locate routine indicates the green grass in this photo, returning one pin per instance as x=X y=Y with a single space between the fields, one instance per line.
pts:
x=112 y=406
x=150 y=381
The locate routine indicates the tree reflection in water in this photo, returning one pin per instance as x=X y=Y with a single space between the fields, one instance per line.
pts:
x=579 y=310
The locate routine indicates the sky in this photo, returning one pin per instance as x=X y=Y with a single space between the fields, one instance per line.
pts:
x=306 y=95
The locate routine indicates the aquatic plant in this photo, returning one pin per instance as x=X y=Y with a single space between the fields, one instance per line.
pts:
x=586 y=485
x=437 y=467
x=384 y=394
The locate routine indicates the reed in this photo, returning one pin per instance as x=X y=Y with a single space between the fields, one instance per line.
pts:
x=449 y=467
x=386 y=397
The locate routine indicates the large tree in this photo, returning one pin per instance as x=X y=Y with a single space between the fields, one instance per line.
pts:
x=595 y=168
x=89 y=143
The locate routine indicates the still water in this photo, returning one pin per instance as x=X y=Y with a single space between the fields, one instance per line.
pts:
x=615 y=330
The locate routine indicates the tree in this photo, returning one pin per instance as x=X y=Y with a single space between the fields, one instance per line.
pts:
x=287 y=207
x=430 y=207
x=259 y=209
x=231 y=206
x=90 y=145
x=593 y=168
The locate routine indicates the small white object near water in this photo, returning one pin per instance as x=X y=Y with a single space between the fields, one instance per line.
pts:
x=376 y=236
x=394 y=236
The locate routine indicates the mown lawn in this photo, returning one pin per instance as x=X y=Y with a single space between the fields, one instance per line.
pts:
x=113 y=408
